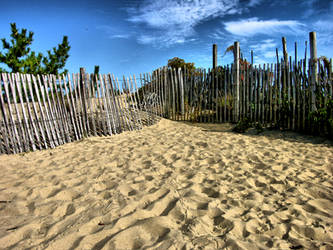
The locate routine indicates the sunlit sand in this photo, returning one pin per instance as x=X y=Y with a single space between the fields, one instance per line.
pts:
x=171 y=186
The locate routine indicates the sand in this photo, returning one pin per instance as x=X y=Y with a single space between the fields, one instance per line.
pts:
x=171 y=186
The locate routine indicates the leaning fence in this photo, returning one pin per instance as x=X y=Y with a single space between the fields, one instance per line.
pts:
x=45 y=111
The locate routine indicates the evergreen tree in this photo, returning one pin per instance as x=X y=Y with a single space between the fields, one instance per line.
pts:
x=20 y=59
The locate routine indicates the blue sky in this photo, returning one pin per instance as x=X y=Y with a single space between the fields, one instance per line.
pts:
x=127 y=37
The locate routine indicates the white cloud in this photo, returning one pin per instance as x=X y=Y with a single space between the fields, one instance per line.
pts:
x=264 y=45
x=253 y=3
x=173 y=21
x=145 y=39
x=126 y=36
x=324 y=32
x=270 y=54
x=265 y=48
x=254 y=26
x=112 y=32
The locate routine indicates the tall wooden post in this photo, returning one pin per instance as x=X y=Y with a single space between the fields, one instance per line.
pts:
x=285 y=53
x=236 y=80
x=96 y=73
x=284 y=67
x=214 y=56
x=83 y=96
x=181 y=92
x=251 y=57
x=314 y=64
x=295 y=53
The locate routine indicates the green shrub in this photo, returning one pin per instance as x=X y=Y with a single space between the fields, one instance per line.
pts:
x=321 y=120
x=242 y=125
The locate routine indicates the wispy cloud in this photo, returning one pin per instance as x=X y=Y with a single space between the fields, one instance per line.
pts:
x=324 y=30
x=120 y=36
x=253 y=3
x=265 y=49
x=173 y=21
x=112 y=32
x=264 y=45
x=254 y=26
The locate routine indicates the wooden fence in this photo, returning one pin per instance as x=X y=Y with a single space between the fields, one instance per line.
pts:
x=46 y=111
x=272 y=94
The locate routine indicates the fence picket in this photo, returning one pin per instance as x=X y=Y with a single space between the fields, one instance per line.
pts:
x=48 y=118
x=54 y=106
x=33 y=128
x=10 y=138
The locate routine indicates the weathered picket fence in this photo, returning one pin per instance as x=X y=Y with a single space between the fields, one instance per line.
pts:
x=47 y=111
x=267 y=94
x=44 y=111
x=40 y=112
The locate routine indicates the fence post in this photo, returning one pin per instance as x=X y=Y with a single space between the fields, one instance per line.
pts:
x=236 y=80
x=285 y=53
x=181 y=86
x=313 y=61
x=296 y=54
x=214 y=56
x=251 y=57
x=83 y=97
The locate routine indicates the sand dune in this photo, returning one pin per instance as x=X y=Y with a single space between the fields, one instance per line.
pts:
x=171 y=186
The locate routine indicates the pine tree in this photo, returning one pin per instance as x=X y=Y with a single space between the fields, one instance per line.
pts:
x=20 y=59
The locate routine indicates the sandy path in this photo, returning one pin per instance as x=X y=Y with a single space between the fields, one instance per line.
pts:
x=171 y=186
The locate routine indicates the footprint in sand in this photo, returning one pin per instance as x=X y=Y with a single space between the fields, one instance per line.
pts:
x=210 y=192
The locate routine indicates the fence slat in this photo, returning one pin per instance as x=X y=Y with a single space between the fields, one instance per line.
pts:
x=106 y=110
x=17 y=82
x=48 y=120
x=32 y=128
x=8 y=136
x=41 y=133
x=74 y=101
x=115 y=90
x=11 y=116
x=110 y=99
x=55 y=107
x=21 y=126
x=69 y=99
x=62 y=108
x=129 y=99
x=80 y=103
x=134 y=90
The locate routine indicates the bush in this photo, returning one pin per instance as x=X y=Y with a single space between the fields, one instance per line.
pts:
x=245 y=124
x=242 y=125
x=321 y=120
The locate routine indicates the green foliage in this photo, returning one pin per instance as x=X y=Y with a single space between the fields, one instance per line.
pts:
x=244 y=124
x=180 y=63
x=258 y=127
x=284 y=112
x=321 y=120
x=20 y=59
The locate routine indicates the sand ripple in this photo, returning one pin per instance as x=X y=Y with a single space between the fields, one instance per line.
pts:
x=171 y=186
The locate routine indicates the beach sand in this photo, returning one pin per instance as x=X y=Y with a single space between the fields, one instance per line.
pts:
x=171 y=186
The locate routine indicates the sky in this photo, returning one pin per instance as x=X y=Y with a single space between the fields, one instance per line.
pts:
x=129 y=37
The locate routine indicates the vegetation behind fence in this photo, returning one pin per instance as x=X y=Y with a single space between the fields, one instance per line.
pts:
x=275 y=95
